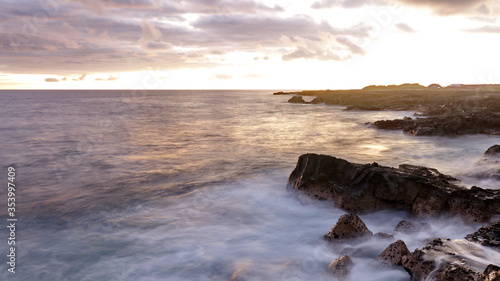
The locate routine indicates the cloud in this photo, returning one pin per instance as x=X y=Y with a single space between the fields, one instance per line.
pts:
x=442 y=7
x=325 y=4
x=110 y=78
x=222 y=76
x=485 y=29
x=51 y=80
x=81 y=78
x=405 y=27
x=150 y=33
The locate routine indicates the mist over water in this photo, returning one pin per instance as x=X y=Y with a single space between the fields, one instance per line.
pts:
x=191 y=185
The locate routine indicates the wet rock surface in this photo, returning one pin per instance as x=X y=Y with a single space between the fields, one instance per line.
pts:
x=358 y=188
x=493 y=151
x=487 y=236
x=394 y=253
x=491 y=273
x=409 y=227
x=348 y=227
x=341 y=267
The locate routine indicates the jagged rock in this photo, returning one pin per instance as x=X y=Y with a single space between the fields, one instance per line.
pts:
x=361 y=188
x=341 y=267
x=491 y=273
x=493 y=151
x=455 y=272
x=348 y=227
x=448 y=260
x=408 y=227
x=383 y=235
x=481 y=122
x=297 y=99
x=394 y=253
x=417 y=266
x=487 y=236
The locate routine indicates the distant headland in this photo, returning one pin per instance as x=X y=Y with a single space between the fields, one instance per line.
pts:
x=456 y=109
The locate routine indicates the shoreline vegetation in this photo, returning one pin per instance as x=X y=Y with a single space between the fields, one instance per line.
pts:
x=438 y=111
x=422 y=192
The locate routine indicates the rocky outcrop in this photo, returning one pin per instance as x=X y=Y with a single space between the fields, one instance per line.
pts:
x=348 y=227
x=461 y=259
x=359 y=188
x=446 y=125
x=493 y=151
x=394 y=253
x=443 y=260
x=487 y=236
x=491 y=273
x=341 y=267
x=297 y=99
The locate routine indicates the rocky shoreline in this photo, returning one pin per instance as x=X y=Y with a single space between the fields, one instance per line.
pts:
x=421 y=191
x=448 y=112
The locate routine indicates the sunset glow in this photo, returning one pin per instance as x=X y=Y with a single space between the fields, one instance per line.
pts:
x=217 y=44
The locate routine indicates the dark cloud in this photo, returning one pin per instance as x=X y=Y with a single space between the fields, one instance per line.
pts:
x=51 y=80
x=405 y=27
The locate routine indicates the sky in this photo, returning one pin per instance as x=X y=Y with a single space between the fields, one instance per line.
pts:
x=247 y=44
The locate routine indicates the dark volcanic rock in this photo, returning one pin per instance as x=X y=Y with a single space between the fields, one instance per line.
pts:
x=452 y=265
x=383 y=235
x=446 y=125
x=341 y=267
x=394 y=253
x=361 y=188
x=487 y=236
x=297 y=99
x=493 y=151
x=348 y=227
x=408 y=227
x=491 y=273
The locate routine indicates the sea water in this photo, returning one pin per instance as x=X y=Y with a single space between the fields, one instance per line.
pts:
x=191 y=185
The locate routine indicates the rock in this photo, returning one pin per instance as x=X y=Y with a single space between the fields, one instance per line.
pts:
x=455 y=272
x=297 y=99
x=493 y=151
x=394 y=253
x=417 y=266
x=341 y=267
x=491 y=273
x=365 y=188
x=383 y=235
x=317 y=101
x=482 y=122
x=487 y=236
x=408 y=227
x=449 y=260
x=348 y=227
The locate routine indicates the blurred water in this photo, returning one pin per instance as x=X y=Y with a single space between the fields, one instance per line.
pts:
x=190 y=185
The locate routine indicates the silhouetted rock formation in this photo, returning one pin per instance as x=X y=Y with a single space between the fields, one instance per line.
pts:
x=297 y=99
x=446 y=125
x=361 y=188
x=493 y=151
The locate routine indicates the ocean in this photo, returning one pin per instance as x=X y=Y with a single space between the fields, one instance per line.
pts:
x=191 y=185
